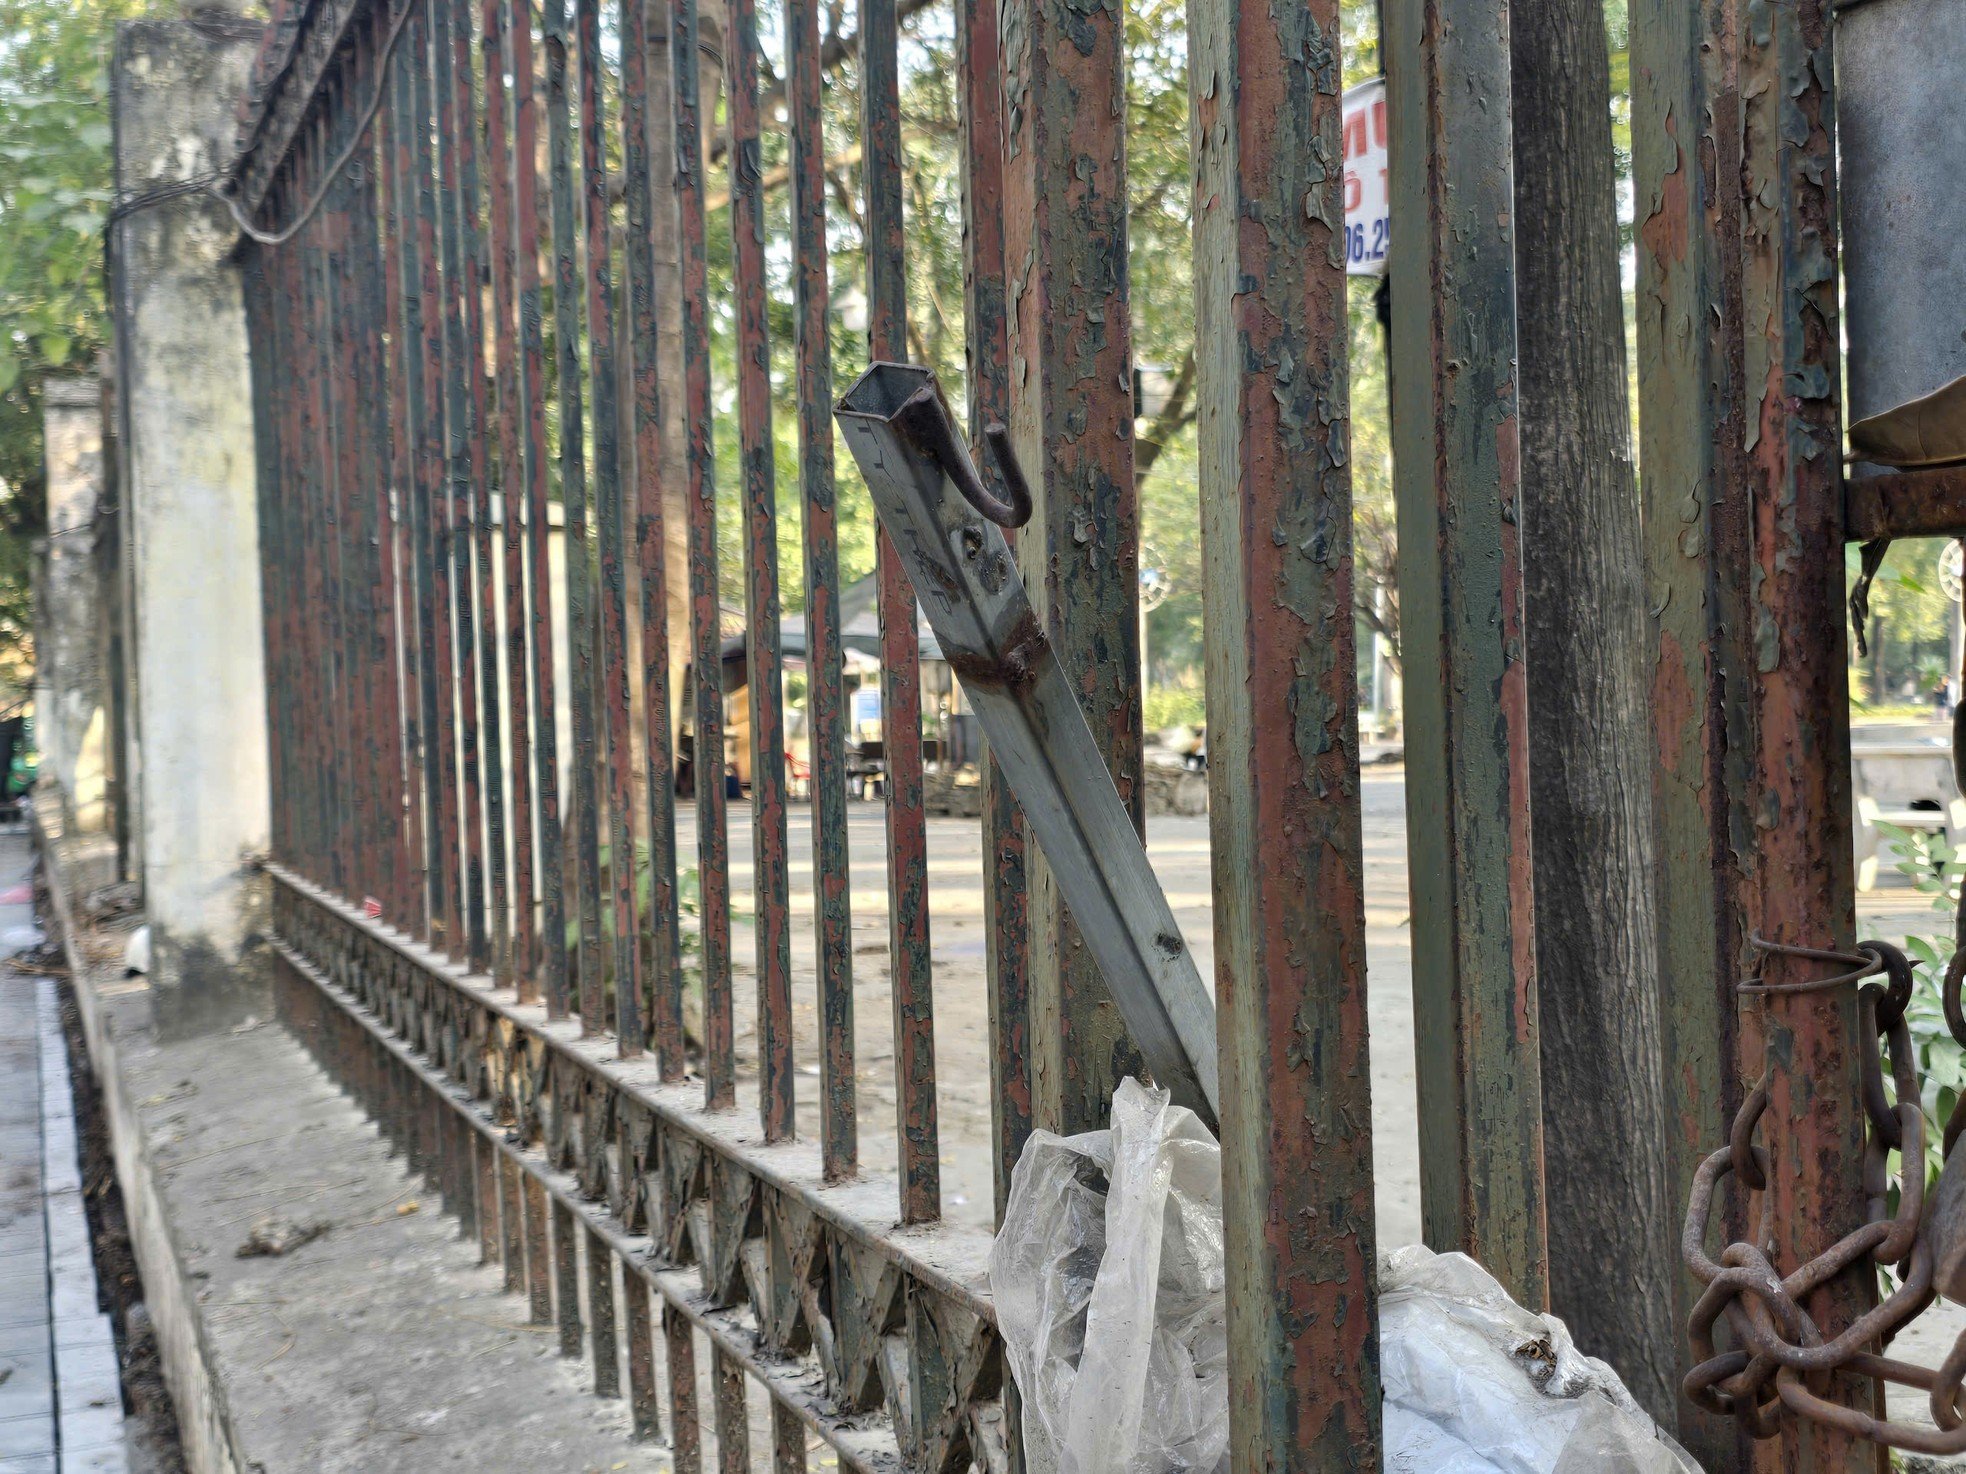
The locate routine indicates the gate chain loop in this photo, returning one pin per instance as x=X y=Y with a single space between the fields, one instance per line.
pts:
x=1781 y=1364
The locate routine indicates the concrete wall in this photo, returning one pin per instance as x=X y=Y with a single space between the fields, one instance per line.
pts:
x=70 y=727
x=188 y=483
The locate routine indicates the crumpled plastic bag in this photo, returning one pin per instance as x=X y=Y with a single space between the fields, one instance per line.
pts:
x=1108 y=1280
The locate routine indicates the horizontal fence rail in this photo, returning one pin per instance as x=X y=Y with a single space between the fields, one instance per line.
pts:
x=800 y=1285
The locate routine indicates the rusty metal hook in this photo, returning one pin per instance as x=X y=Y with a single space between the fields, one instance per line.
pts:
x=926 y=420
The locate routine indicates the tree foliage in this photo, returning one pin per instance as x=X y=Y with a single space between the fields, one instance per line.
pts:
x=55 y=187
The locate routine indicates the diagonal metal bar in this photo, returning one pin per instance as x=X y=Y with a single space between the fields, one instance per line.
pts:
x=914 y=464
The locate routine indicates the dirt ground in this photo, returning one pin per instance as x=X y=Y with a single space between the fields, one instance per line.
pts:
x=1179 y=850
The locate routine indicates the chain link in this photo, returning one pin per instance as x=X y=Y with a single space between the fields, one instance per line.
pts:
x=1780 y=1363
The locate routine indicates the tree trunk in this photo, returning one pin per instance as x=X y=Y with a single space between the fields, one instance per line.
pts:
x=1613 y=1224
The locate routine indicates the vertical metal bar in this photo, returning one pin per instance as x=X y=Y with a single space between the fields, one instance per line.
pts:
x=494 y=901
x=771 y=865
x=1005 y=873
x=538 y=1268
x=413 y=901
x=918 y=1132
x=490 y=1206
x=733 y=1418
x=613 y=613
x=566 y=1279
x=380 y=291
x=832 y=893
x=512 y=1219
x=706 y=652
x=325 y=573
x=531 y=365
x=574 y=493
x=523 y=966
x=1686 y=162
x=445 y=858
x=1282 y=665
x=463 y=448
x=685 y=1425
x=664 y=1015
x=1467 y=749
x=1804 y=893
x=320 y=787
x=268 y=469
x=600 y=1314
x=1071 y=417
x=644 y=1402
x=788 y=1440
x=328 y=239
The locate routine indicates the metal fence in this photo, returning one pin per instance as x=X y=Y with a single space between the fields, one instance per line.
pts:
x=449 y=349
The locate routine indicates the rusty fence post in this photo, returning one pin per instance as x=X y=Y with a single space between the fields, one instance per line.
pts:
x=839 y=1132
x=1799 y=794
x=1458 y=486
x=664 y=1019
x=1006 y=869
x=1686 y=159
x=1071 y=419
x=706 y=641
x=919 y=1130
x=1285 y=824
x=771 y=864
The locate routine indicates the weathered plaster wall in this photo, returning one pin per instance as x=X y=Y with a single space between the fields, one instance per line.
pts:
x=188 y=475
x=68 y=695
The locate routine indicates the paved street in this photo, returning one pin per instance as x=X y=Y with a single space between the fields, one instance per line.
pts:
x=61 y=1401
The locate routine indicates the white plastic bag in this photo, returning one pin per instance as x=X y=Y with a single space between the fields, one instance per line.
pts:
x=1108 y=1282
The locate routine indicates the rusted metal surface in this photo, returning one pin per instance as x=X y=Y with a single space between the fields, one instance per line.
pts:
x=664 y=1017
x=436 y=557
x=764 y=664
x=1467 y=711
x=706 y=643
x=644 y=1401
x=495 y=902
x=600 y=1302
x=452 y=512
x=1006 y=908
x=617 y=756
x=1068 y=323
x=1777 y=1379
x=910 y=970
x=733 y=1418
x=411 y=913
x=897 y=427
x=576 y=499
x=1285 y=824
x=826 y=723
x=1799 y=790
x=1686 y=161
x=533 y=460
x=522 y=970
x=464 y=449
x=1905 y=504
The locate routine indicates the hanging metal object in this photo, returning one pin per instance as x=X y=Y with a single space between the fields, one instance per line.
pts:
x=1780 y=1364
x=948 y=525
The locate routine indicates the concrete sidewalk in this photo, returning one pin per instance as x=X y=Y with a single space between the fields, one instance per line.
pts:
x=61 y=1400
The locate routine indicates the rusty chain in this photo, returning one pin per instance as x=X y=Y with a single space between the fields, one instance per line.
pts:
x=1781 y=1361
